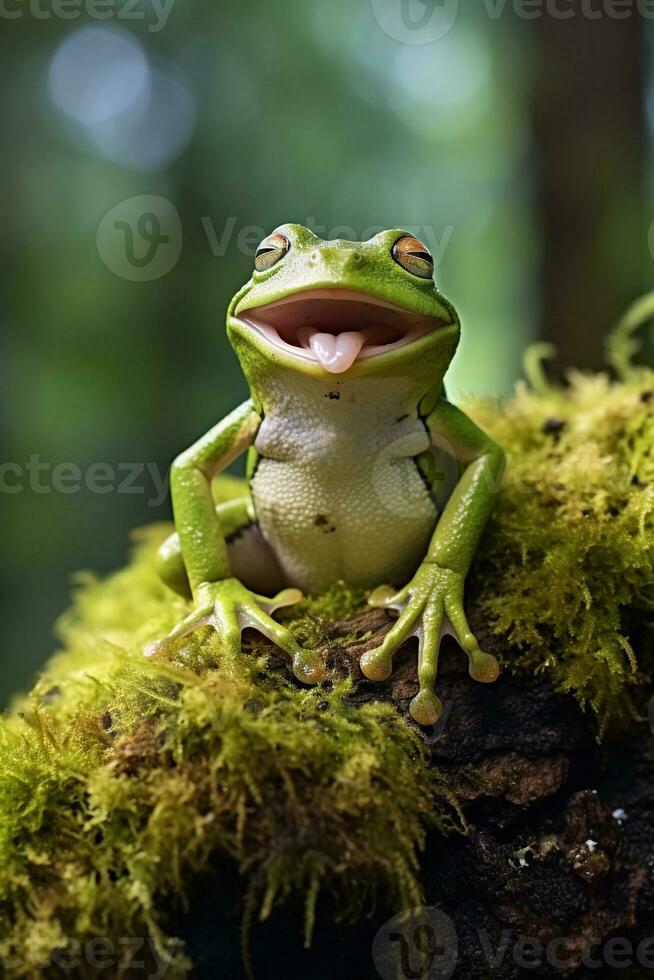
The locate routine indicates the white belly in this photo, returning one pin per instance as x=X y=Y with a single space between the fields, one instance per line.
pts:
x=343 y=527
x=338 y=494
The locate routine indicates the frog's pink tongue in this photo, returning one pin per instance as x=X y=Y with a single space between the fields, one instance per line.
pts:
x=337 y=353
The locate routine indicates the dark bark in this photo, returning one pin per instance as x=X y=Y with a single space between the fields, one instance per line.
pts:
x=588 y=125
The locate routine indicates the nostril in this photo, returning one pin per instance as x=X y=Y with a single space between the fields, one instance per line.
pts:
x=315 y=255
x=355 y=257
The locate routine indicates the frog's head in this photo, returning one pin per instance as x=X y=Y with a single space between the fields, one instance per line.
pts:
x=355 y=309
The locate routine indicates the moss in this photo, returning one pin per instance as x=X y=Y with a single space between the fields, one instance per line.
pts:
x=565 y=574
x=122 y=779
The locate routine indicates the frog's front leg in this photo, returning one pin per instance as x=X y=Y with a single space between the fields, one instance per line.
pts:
x=432 y=602
x=251 y=559
x=220 y=599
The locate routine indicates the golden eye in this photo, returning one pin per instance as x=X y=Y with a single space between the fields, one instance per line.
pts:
x=272 y=249
x=413 y=256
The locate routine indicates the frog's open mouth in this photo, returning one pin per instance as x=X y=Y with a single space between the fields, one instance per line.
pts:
x=337 y=327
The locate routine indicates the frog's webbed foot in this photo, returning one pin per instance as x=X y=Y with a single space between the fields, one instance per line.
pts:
x=429 y=606
x=229 y=608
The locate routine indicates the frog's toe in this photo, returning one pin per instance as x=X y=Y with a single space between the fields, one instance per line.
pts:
x=386 y=597
x=307 y=664
x=484 y=667
x=376 y=665
x=156 y=648
x=287 y=597
x=382 y=596
x=426 y=708
x=308 y=668
x=196 y=620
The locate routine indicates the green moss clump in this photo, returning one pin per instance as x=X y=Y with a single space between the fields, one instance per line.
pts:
x=121 y=779
x=566 y=571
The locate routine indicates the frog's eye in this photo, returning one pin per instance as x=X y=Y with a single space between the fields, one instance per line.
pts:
x=272 y=249
x=413 y=256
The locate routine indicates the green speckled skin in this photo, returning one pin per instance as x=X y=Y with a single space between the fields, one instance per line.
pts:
x=369 y=475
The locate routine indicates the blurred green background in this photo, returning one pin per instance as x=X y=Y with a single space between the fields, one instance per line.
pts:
x=517 y=146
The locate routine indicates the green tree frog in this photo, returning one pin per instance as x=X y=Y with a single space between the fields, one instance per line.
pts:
x=359 y=467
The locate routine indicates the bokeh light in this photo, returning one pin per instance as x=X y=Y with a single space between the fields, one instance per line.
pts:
x=129 y=111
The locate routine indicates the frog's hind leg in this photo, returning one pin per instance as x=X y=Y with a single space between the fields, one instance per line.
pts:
x=251 y=559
